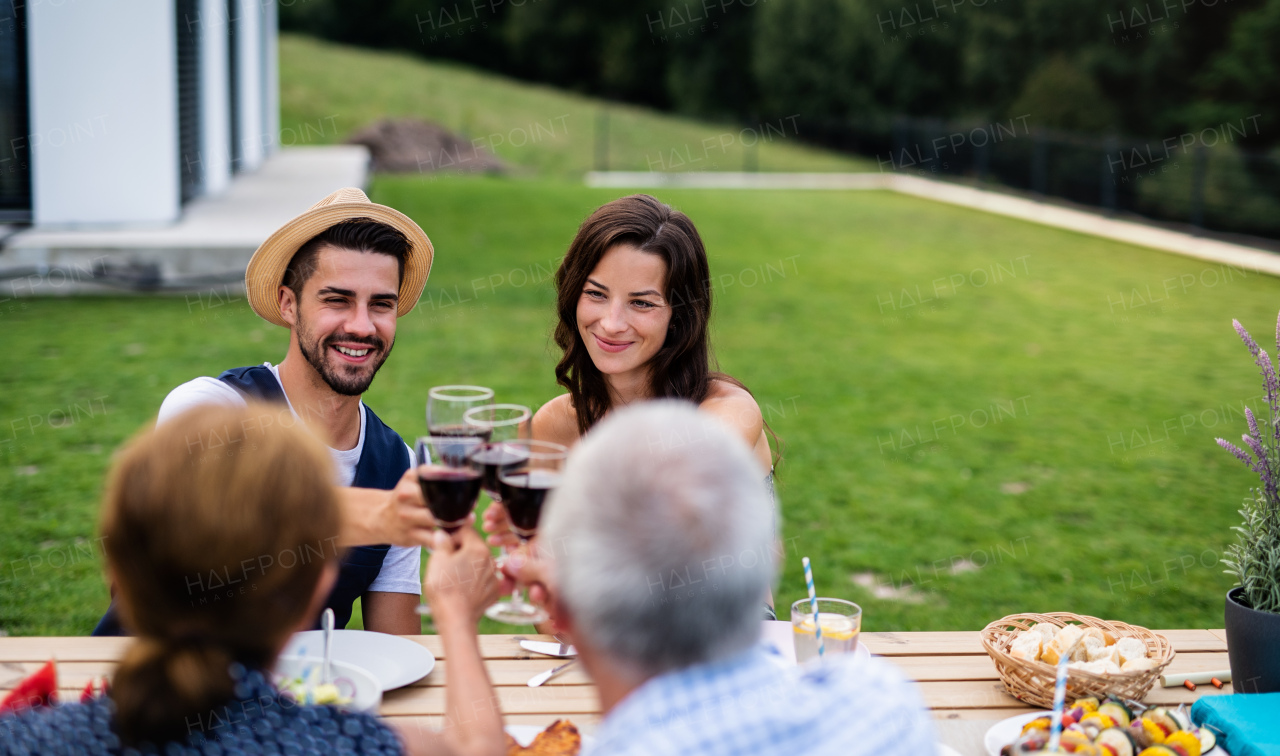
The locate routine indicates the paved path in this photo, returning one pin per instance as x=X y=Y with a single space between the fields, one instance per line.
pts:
x=1044 y=213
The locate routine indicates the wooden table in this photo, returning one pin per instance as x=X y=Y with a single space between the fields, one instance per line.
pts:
x=956 y=677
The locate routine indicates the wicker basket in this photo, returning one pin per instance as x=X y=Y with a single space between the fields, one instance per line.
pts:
x=1033 y=681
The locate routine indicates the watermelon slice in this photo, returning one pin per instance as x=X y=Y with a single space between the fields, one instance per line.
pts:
x=39 y=689
x=89 y=693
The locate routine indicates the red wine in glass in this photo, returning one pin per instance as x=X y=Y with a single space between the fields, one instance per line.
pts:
x=463 y=431
x=447 y=407
x=450 y=492
x=505 y=423
x=498 y=459
x=450 y=481
x=523 y=494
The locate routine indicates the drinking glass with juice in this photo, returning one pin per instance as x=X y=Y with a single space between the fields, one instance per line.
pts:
x=841 y=622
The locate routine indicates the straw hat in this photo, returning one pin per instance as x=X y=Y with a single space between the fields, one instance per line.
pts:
x=265 y=274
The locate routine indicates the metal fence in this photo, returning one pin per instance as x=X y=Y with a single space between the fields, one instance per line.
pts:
x=1210 y=179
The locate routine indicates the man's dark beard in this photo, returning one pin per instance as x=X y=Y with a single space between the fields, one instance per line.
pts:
x=341 y=384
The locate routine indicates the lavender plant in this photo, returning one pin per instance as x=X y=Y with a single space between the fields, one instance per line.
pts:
x=1254 y=559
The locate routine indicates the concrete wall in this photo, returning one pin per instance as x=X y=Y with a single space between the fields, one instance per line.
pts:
x=104 y=127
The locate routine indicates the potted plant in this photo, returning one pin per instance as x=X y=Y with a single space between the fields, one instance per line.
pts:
x=1253 y=607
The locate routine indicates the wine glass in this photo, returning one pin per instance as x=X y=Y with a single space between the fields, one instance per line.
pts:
x=446 y=406
x=504 y=422
x=523 y=489
x=450 y=481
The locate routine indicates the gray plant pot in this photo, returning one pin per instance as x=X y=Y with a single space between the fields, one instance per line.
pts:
x=1253 y=645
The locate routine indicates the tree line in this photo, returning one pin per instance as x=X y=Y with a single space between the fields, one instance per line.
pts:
x=1146 y=68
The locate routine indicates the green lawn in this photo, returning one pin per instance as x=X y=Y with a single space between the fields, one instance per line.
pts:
x=328 y=91
x=1039 y=439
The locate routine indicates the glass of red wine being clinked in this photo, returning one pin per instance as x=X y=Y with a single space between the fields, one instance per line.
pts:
x=447 y=409
x=503 y=423
x=522 y=488
x=449 y=476
x=450 y=479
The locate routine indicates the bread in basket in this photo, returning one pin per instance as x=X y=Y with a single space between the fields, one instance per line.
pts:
x=1032 y=681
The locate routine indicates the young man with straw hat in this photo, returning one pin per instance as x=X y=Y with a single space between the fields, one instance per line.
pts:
x=337 y=276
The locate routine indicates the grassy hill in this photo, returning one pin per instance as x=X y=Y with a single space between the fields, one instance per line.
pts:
x=981 y=415
x=327 y=91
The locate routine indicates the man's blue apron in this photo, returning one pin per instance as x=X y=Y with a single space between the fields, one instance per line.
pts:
x=383 y=461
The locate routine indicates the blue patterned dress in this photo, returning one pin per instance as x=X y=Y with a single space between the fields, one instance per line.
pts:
x=260 y=721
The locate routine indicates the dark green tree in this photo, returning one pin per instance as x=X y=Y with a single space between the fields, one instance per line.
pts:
x=1243 y=80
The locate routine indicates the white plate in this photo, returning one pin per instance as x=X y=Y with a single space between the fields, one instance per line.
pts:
x=946 y=750
x=393 y=661
x=523 y=734
x=1006 y=731
x=352 y=681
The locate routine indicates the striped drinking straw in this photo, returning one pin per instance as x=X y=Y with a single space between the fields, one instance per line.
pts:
x=813 y=604
x=1059 y=698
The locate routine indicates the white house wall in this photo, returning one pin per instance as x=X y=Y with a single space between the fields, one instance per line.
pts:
x=270 y=74
x=104 y=138
x=215 y=94
x=253 y=132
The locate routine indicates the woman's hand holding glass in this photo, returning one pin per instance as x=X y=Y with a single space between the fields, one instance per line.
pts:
x=497 y=523
x=524 y=566
x=462 y=579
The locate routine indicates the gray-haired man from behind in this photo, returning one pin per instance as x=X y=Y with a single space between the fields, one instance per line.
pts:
x=655 y=553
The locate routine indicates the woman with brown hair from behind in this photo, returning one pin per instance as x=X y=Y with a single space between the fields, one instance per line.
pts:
x=220 y=531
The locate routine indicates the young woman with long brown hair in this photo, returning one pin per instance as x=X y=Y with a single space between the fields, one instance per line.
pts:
x=633 y=295
x=219 y=528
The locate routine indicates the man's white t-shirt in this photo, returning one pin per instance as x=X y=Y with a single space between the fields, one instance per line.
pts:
x=403 y=564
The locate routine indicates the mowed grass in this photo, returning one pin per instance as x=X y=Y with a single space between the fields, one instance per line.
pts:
x=327 y=91
x=1038 y=437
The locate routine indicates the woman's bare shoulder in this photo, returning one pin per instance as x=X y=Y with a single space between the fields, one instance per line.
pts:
x=728 y=393
x=557 y=421
x=735 y=405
